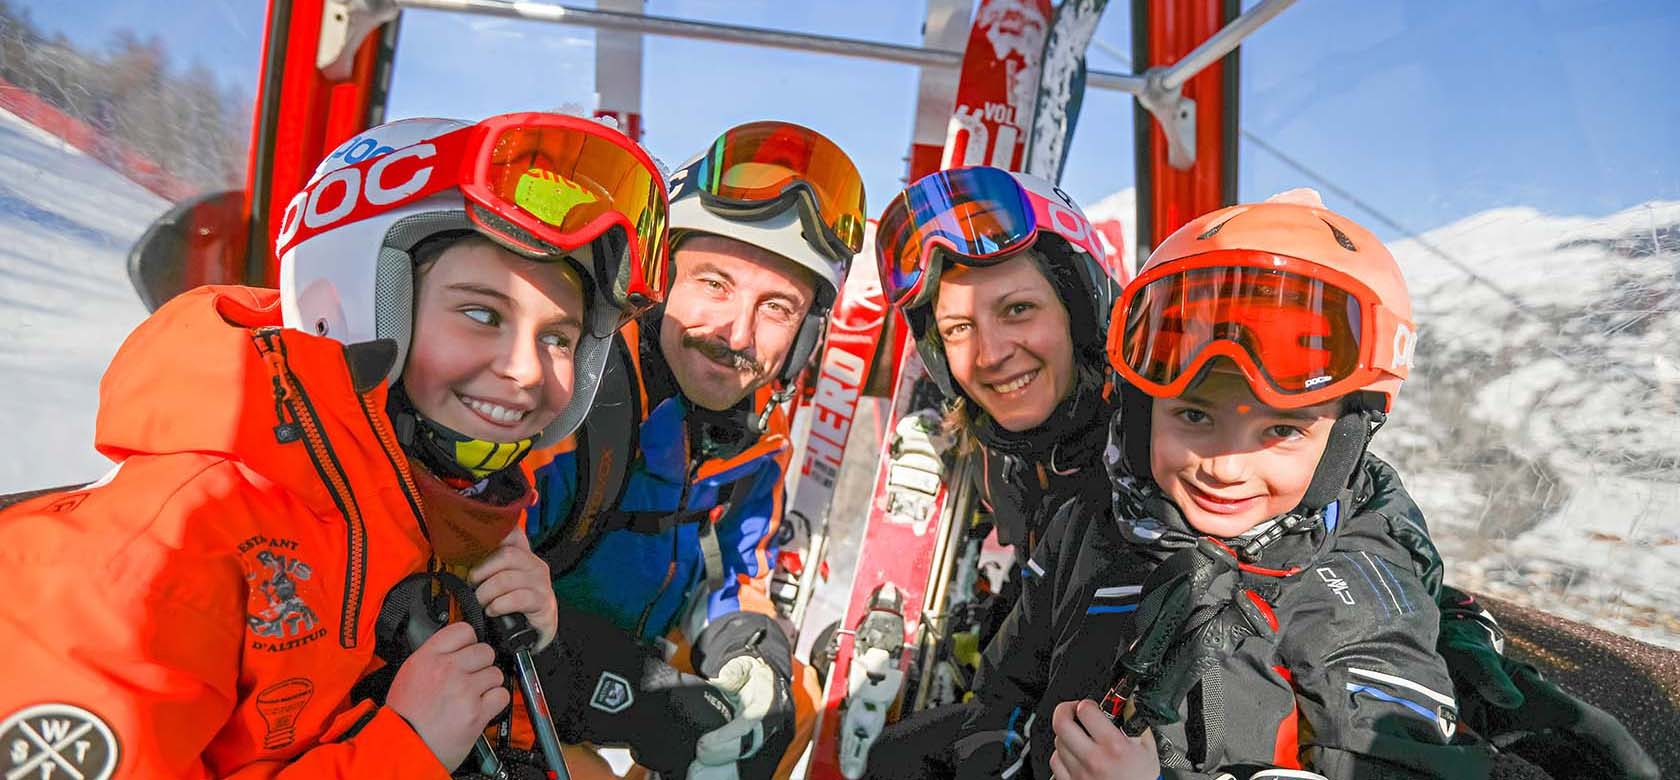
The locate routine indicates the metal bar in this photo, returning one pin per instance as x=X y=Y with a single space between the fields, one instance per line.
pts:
x=260 y=177
x=732 y=33
x=1118 y=82
x=1222 y=42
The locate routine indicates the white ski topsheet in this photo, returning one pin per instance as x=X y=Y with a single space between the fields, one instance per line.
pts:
x=66 y=225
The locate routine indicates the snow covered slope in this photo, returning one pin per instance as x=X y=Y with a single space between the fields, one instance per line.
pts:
x=66 y=223
x=1541 y=432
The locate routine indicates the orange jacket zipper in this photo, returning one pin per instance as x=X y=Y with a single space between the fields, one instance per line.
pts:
x=288 y=391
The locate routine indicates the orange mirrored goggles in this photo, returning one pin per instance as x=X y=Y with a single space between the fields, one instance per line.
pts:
x=547 y=182
x=754 y=168
x=1301 y=333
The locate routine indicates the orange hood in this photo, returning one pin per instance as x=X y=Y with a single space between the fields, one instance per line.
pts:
x=193 y=378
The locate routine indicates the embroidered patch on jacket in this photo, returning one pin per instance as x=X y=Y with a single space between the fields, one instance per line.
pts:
x=280 y=705
x=612 y=694
x=282 y=587
x=56 y=740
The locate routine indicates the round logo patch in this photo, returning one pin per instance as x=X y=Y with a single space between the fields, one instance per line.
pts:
x=56 y=740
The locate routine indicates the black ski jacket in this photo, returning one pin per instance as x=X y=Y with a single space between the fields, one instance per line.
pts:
x=1025 y=476
x=1350 y=686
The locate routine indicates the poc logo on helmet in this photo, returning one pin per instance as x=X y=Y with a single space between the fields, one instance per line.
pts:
x=345 y=191
x=1405 y=346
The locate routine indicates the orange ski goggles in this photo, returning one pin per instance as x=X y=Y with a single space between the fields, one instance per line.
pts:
x=753 y=169
x=547 y=181
x=1302 y=334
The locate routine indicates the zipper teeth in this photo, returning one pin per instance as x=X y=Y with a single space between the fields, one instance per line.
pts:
x=388 y=442
x=647 y=612
x=297 y=402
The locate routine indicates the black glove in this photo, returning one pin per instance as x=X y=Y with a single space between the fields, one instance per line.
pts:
x=606 y=688
x=1517 y=709
x=1195 y=609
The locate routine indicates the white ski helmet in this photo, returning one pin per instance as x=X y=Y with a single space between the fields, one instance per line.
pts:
x=786 y=189
x=346 y=268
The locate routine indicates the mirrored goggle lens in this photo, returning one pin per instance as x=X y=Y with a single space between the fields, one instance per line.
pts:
x=568 y=186
x=982 y=212
x=757 y=162
x=1303 y=334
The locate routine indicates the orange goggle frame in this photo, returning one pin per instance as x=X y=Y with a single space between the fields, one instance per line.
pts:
x=539 y=183
x=752 y=170
x=1301 y=333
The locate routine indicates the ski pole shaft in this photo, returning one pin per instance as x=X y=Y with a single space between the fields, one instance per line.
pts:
x=542 y=722
x=1117 y=704
x=488 y=763
x=518 y=636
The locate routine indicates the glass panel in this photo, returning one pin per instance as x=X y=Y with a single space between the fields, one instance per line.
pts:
x=110 y=112
x=452 y=65
x=1528 y=183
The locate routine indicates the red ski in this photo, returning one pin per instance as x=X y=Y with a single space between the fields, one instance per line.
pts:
x=823 y=422
x=911 y=535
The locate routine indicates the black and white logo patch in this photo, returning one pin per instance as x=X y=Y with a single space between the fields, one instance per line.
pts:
x=56 y=740
x=612 y=694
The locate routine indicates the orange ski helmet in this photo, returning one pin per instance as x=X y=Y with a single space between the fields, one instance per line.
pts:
x=1309 y=306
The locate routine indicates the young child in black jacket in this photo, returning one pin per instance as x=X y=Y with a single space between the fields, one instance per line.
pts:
x=1241 y=594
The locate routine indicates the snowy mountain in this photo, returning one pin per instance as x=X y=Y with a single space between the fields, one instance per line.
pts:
x=66 y=224
x=1541 y=431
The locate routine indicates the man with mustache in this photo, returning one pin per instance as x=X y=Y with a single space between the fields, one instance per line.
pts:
x=660 y=519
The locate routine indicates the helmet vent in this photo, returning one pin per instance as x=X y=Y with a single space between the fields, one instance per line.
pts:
x=1341 y=238
x=1212 y=231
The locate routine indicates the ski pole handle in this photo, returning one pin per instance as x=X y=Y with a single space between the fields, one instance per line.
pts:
x=513 y=633
x=1119 y=708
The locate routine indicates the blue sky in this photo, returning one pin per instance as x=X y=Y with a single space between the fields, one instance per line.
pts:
x=1428 y=111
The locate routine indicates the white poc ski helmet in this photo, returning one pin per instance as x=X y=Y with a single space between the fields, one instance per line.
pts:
x=346 y=243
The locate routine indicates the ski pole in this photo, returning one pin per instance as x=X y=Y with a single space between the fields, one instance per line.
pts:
x=519 y=637
x=418 y=625
x=1117 y=704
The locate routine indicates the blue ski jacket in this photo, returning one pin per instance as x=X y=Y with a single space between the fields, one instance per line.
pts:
x=645 y=559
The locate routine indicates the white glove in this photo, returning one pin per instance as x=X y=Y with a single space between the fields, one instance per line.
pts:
x=750 y=684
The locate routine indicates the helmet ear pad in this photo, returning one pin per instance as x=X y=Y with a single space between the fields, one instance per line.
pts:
x=1349 y=438
x=804 y=346
x=932 y=350
x=1136 y=408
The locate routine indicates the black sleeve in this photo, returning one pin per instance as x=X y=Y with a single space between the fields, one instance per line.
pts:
x=1403 y=523
x=742 y=633
x=1015 y=666
x=1375 y=699
x=606 y=688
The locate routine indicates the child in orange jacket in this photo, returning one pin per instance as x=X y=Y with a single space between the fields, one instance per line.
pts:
x=283 y=459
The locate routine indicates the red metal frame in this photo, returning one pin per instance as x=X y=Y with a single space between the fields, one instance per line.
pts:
x=1163 y=31
x=314 y=115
